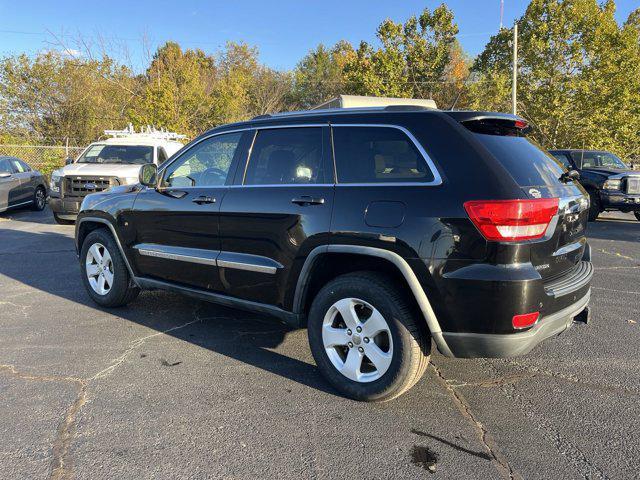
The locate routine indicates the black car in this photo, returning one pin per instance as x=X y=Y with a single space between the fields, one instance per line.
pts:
x=378 y=229
x=611 y=184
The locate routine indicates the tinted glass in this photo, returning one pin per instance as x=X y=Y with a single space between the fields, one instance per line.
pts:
x=286 y=156
x=598 y=159
x=527 y=163
x=5 y=166
x=162 y=156
x=377 y=155
x=127 y=154
x=18 y=166
x=204 y=165
x=564 y=160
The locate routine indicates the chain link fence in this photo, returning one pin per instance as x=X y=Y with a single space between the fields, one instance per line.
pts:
x=45 y=158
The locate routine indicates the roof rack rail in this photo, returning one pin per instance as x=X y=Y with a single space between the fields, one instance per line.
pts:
x=146 y=132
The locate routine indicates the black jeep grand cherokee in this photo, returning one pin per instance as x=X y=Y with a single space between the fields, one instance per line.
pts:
x=379 y=229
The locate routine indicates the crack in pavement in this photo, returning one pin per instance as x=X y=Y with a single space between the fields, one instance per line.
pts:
x=497 y=458
x=61 y=463
x=576 y=457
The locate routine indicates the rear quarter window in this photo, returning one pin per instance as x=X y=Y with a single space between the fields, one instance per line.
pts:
x=378 y=155
x=527 y=163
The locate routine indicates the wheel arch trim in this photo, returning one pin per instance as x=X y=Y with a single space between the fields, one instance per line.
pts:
x=113 y=233
x=400 y=263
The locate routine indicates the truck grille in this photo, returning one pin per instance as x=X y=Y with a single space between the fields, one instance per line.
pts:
x=83 y=186
x=633 y=185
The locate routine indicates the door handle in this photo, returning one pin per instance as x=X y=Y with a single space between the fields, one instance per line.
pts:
x=308 y=200
x=202 y=199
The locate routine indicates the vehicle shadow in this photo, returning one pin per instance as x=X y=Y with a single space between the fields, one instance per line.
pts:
x=622 y=229
x=246 y=337
x=28 y=216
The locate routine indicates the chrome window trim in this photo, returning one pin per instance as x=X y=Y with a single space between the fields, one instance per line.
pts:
x=437 y=178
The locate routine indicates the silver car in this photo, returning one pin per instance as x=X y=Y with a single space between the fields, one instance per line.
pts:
x=20 y=185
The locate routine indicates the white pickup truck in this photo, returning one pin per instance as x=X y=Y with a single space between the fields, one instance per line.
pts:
x=105 y=164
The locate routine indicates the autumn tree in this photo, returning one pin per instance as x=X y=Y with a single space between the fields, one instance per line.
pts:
x=414 y=59
x=56 y=98
x=578 y=74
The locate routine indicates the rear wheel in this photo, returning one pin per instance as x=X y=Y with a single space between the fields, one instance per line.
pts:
x=62 y=221
x=366 y=338
x=104 y=273
x=39 y=199
x=596 y=207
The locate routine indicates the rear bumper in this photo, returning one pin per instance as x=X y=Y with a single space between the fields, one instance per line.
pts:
x=469 y=345
x=66 y=209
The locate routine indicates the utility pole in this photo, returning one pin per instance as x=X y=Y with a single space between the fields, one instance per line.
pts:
x=501 y=12
x=514 y=81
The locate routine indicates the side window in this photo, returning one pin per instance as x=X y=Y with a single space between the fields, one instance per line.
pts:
x=204 y=165
x=564 y=160
x=162 y=155
x=5 y=166
x=377 y=155
x=283 y=156
x=18 y=166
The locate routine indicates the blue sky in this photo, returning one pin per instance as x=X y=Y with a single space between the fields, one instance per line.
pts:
x=283 y=30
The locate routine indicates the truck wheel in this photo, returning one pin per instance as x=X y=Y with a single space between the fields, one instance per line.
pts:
x=366 y=338
x=39 y=199
x=62 y=221
x=104 y=273
x=596 y=208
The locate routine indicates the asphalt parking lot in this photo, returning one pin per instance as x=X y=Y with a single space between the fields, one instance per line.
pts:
x=170 y=387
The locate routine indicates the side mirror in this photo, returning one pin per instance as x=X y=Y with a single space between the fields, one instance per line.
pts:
x=5 y=174
x=68 y=161
x=570 y=175
x=148 y=175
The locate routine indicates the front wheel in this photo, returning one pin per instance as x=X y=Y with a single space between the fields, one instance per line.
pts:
x=39 y=199
x=637 y=214
x=104 y=273
x=366 y=338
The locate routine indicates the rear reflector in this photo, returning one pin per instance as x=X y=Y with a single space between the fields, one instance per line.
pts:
x=512 y=220
x=525 y=320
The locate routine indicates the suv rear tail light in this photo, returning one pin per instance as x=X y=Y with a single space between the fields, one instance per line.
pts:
x=525 y=320
x=512 y=220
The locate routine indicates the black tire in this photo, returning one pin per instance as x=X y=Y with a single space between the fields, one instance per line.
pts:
x=411 y=341
x=637 y=214
x=62 y=221
x=596 y=207
x=123 y=290
x=39 y=199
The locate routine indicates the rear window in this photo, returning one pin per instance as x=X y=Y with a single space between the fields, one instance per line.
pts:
x=377 y=155
x=527 y=163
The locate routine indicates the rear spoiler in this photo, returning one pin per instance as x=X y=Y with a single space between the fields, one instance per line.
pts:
x=492 y=123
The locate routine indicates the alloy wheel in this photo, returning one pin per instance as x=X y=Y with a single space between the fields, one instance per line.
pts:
x=99 y=269
x=40 y=199
x=357 y=340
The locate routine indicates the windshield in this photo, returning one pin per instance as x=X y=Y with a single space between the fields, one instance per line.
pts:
x=128 y=154
x=598 y=159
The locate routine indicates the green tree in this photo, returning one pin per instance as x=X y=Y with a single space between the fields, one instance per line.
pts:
x=414 y=59
x=577 y=74
x=320 y=75
x=56 y=98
